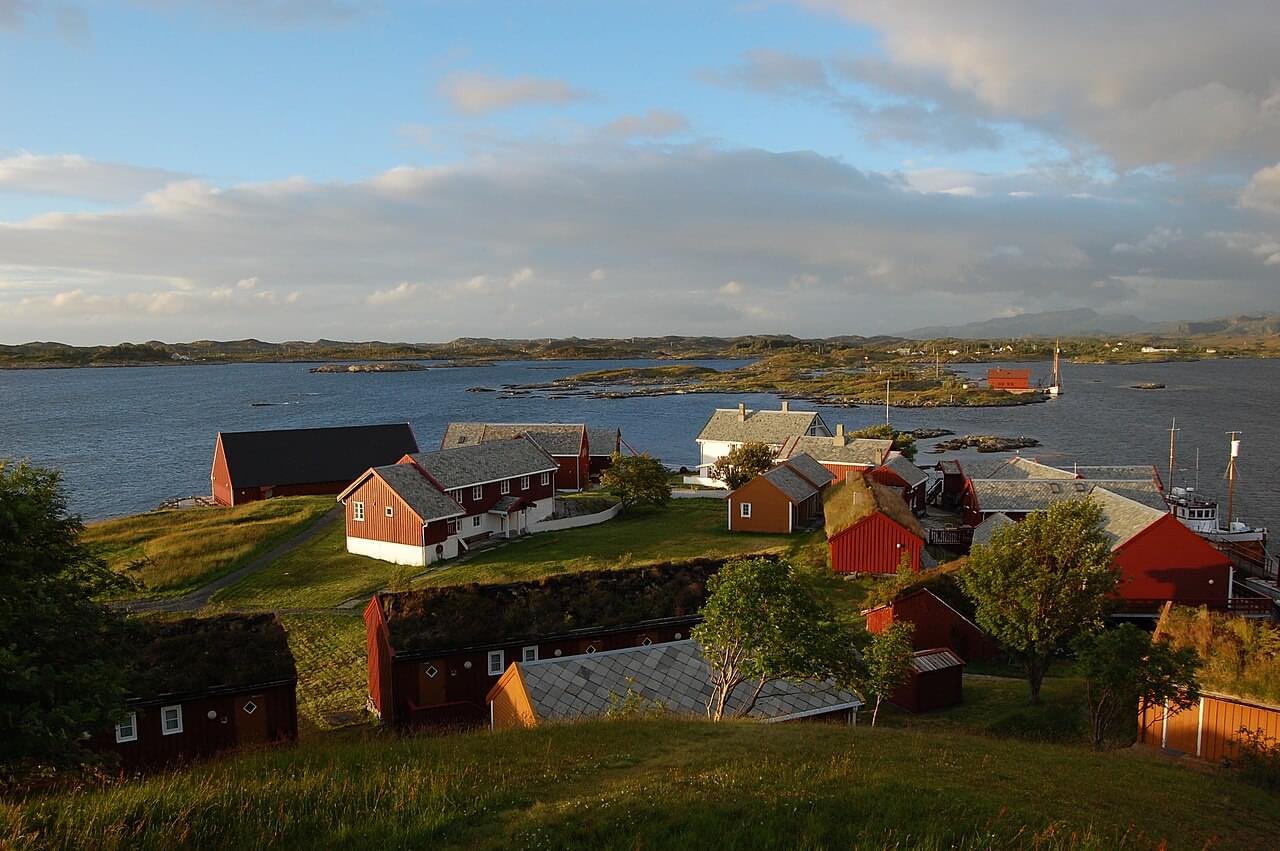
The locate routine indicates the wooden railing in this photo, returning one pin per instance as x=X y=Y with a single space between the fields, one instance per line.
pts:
x=1250 y=559
x=953 y=536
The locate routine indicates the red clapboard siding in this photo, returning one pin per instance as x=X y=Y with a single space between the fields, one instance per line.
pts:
x=1167 y=561
x=403 y=527
x=874 y=545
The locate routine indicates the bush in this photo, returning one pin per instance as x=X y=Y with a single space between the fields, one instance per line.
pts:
x=1258 y=761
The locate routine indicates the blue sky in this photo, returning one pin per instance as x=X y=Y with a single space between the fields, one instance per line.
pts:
x=185 y=168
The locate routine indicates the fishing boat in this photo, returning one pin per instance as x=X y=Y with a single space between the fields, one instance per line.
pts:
x=1055 y=388
x=1200 y=514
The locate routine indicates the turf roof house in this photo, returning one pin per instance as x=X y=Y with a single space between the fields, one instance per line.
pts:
x=673 y=678
x=254 y=465
x=782 y=500
x=845 y=457
x=436 y=505
x=568 y=444
x=870 y=529
x=435 y=653
x=204 y=685
x=910 y=480
x=732 y=427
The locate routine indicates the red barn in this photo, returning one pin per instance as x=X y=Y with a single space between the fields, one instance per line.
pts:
x=870 y=529
x=253 y=465
x=568 y=443
x=936 y=682
x=936 y=623
x=204 y=685
x=435 y=653
x=1014 y=380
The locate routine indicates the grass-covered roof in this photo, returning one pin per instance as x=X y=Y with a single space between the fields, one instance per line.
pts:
x=194 y=655
x=457 y=616
x=858 y=497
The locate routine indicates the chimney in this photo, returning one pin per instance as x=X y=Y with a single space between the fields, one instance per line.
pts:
x=786 y=406
x=742 y=412
x=838 y=440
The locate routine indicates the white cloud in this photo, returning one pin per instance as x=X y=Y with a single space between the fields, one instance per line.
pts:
x=732 y=288
x=654 y=124
x=598 y=275
x=1263 y=190
x=247 y=283
x=399 y=292
x=475 y=94
x=1157 y=240
x=71 y=176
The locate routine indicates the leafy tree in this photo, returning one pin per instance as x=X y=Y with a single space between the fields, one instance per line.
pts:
x=637 y=480
x=62 y=667
x=761 y=624
x=888 y=663
x=903 y=441
x=1042 y=583
x=743 y=463
x=1123 y=666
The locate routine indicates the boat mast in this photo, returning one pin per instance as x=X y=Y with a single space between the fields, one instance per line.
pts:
x=1231 y=475
x=886 y=401
x=1057 y=367
x=1173 y=453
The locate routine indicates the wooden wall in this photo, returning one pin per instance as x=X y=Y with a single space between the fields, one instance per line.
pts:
x=403 y=527
x=1210 y=730
x=770 y=508
x=874 y=545
x=936 y=625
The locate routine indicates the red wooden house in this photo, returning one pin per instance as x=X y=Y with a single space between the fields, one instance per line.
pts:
x=435 y=653
x=781 y=500
x=253 y=465
x=602 y=443
x=846 y=457
x=936 y=681
x=898 y=472
x=568 y=444
x=870 y=529
x=936 y=624
x=204 y=685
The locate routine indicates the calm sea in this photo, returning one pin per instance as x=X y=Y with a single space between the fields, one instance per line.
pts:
x=128 y=438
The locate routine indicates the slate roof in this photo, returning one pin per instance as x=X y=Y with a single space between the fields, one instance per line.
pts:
x=1012 y=469
x=416 y=490
x=1021 y=496
x=908 y=472
x=674 y=675
x=308 y=455
x=811 y=469
x=557 y=438
x=853 y=499
x=863 y=451
x=769 y=427
x=1116 y=472
x=1122 y=518
x=603 y=441
x=993 y=523
x=938 y=659
x=485 y=462
x=506 y=504
x=222 y=654
x=794 y=486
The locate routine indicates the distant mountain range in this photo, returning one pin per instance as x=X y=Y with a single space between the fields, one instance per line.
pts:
x=1086 y=322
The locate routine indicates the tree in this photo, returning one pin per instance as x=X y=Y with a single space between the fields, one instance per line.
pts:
x=887 y=663
x=1042 y=583
x=743 y=463
x=637 y=480
x=1123 y=666
x=62 y=663
x=761 y=624
x=903 y=441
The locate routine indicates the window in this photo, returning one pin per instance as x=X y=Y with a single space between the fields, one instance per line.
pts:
x=529 y=654
x=505 y=487
x=744 y=509
x=430 y=671
x=477 y=492
x=546 y=479
x=390 y=512
x=127 y=730
x=475 y=521
x=1055 y=487
x=170 y=720
x=456 y=496
x=453 y=526
x=496 y=666
x=524 y=483
x=357 y=511
x=591 y=648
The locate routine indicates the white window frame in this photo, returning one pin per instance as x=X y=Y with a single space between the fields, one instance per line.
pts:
x=390 y=512
x=505 y=486
x=524 y=483
x=357 y=511
x=477 y=492
x=744 y=510
x=529 y=654
x=130 y=721
x=475 y=521
x=453 y=526
x=164 y=727
x=455 y=495
x=546 y=479
x=500 y=656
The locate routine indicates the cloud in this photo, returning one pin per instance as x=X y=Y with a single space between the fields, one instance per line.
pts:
x=652 y=124
x=1157 y=240
x=72 y=176
x=732 y=288
x=476 y=94
x=14 y=13
x=399 y=292
x=276 y=12
x=773 y=72
x=1263 y=190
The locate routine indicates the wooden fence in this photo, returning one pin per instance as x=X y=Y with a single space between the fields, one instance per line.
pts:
x=1209 y=730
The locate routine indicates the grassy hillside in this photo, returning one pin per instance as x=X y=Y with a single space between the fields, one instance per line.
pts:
x=664 y=784
x=172 y=552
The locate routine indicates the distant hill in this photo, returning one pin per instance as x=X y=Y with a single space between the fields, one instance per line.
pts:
x=1259 y=325
x=1084 y=322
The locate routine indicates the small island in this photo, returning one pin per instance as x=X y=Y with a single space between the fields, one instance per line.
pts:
x=985 y=443
x=395 y=366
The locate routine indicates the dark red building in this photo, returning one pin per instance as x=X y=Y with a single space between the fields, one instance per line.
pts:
x=870 y=529
x=253 y=465
x=936 y=624
x=910 y=480
x=936 y=682
x=204 y=685
x=435 y=653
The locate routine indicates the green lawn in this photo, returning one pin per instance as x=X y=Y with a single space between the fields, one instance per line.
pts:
x=684 y=529
x=319 y=574
x=332 y=670
x=662 y=784
x=997 y=706
x=172 y=552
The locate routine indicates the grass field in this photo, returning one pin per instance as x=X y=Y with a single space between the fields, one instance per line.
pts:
x=332 y=670
x=664 y=784
x=177 y=551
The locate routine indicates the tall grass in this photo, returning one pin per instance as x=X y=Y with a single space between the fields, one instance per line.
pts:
x=332 y=669
x=659 y=784
x=1240 y=656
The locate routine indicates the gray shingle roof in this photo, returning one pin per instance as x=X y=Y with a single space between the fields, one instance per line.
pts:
x=811 y=469
x=673 y=675
x=1116 y=472
x=1015 y=468
x=603 y=441
x=418 y=492
x=864 y=451
x=1018 y=496
x=1122 y=518
x=935 y=660
x=556 y=438
x=771 y=427
x=908 y=472
x=988 y=527
x=485 y=462
x=792 y=484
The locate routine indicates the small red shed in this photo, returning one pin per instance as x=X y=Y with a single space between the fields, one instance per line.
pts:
x=936 y=682
x=870 y=529
x=936 y=623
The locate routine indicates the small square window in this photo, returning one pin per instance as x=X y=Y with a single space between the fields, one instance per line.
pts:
x=524 y=483
x=505 y=487
x=249 y=707
x=390 y=512
x=357 y=511
x=647 y=641
x=477 y=492
x=127 y=729
x=591 y=648
x=170 y=720
x=475 y=521
x=744 y=509
x=431 y=671
x=496 y=663
x=529 y=654
x=546 y=479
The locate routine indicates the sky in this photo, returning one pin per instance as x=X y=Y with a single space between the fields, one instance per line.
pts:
x=421 y=171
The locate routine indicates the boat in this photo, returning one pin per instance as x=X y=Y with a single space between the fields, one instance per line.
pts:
x=1055 y=389
x=1200 y=514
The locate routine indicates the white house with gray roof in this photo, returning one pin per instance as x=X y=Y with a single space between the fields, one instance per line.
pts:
x=732 y=427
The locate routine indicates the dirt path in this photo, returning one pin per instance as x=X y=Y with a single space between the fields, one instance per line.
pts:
x=200 y=597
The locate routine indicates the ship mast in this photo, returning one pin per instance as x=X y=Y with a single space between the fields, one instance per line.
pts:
x=1057 y=367
x=1231 y=475
x=1173 y=451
